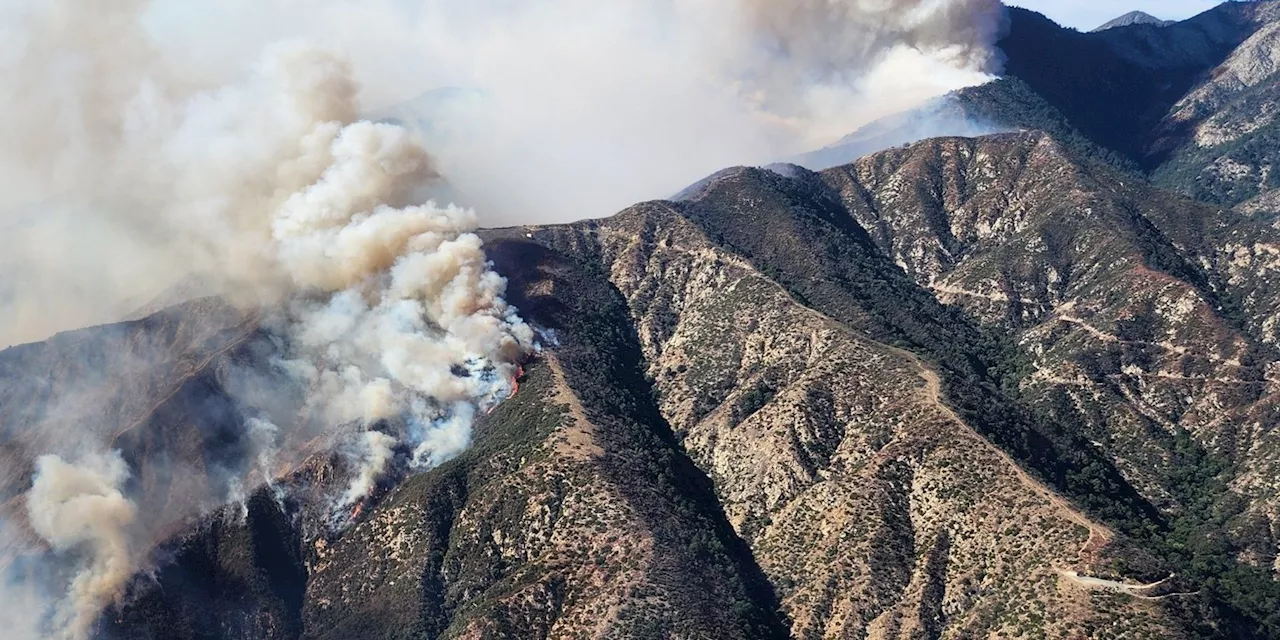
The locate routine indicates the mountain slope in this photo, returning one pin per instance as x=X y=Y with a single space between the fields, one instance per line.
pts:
x=1191 y=102
x=966 y=388
x=858 y=490
x=1136 y=262
x=156 y=389
x=572 y=513
x=1116 y=85
x=1017 y=233
x=1223 y=135
x=500 y=542
x=1146 y=320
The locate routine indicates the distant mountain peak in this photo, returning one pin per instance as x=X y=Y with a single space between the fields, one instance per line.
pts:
x=1131 y=18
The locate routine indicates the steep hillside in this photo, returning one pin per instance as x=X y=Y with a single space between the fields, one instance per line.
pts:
x=860 y=492
x=1191 y=102
x=1146 y=320
x=1116 y=85
x=837 y=474
x=966 y=388
x=1223 y=139
x=1143 y=335
x=574 y=513
x=154 y=388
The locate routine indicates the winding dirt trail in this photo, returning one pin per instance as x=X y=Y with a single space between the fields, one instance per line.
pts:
x=1135 y=590
x=933 y=393
x=1099 y=535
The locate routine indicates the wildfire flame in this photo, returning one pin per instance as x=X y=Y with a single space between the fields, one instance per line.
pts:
x=356 y=512
x=515 y=388
x=515 y=382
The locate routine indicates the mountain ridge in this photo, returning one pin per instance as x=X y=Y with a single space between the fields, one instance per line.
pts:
x=796 y=417
x=1133 y=18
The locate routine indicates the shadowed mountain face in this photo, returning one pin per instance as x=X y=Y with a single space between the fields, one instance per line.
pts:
x=1189 y=104
x=965 y=388
x=1117 y=85
x=1113 y=86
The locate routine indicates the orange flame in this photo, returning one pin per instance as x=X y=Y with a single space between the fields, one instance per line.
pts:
x=515 y=383
x=357 y=512
x=515 y=387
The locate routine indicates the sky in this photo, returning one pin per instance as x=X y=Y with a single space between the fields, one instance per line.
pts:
x=1086 y=15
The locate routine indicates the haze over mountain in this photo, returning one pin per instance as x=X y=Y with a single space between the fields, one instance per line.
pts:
x=1008 y=365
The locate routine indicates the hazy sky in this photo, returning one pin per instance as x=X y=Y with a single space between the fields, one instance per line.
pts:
x=1085 y=15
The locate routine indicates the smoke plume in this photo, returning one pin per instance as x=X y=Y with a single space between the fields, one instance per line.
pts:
x=80 y=509
x=271 y=191
x=566 y=109
x=942 y=117
x=375 y=457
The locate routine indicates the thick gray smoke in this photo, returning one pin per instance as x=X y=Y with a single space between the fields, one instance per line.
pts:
x=570 y=108
x=376 y=455
x=816 y=60
x=548 y=111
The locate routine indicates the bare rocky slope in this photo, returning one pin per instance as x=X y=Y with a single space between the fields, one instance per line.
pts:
x=968 y=388
x=1225 y=129
x=1139 y=377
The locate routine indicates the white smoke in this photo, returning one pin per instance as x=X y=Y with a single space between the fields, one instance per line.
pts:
x=19 y=609
x=264 y=440
x=376 y=454
x=286 y=189
x=575 y=108
x=817 y=63
x=943 y=117
x=79 y=509
x=554 y=110
x=264 y=437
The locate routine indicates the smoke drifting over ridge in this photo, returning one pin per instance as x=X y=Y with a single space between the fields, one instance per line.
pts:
x=276 y=195
x=555 y=110
x=572 y=109
x=535 y=112
x=127 y=165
